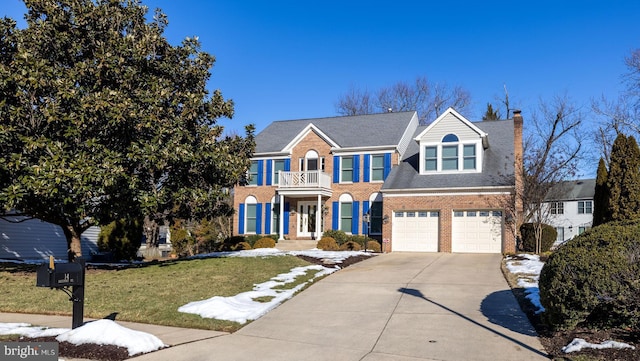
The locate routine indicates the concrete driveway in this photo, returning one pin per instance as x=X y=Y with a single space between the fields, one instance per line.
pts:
x=398 y=306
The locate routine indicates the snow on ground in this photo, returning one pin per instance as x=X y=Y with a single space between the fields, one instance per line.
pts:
x=101 y=332
x=239 y=308
x=528 y=271
x=242 y=307
x=578 y=344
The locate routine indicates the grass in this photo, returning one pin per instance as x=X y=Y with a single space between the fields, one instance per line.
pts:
x=149 y=294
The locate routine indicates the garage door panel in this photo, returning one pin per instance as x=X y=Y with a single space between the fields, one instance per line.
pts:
x=415 y=231
x=477 y=231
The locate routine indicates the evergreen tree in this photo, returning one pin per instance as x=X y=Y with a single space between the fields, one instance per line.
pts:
x=490 y=114
x=601 y=195
x=623 y=181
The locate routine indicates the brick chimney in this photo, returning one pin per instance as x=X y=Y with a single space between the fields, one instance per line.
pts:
x=518 y=167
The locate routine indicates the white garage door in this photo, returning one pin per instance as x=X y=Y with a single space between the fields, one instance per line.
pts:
x=476 y=231
x=415 y=231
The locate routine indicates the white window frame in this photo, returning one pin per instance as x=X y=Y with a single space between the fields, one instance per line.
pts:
x=582 y=207
x=460 y=144
x=251 y=179
x=250 y=200
x=381 y=169
x=556 y=208
x=344 y=199
x=275 y=179
x=342 y=158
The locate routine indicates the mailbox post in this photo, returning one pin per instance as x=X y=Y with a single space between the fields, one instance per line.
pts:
x=61 y=277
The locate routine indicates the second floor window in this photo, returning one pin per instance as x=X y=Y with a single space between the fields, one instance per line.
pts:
x=253 y=173
x=347 y=169
x=585 y=207
x=278 y=165
x=377 y=167
x=557 y=208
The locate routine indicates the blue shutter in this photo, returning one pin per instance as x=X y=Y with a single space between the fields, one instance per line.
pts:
x=387 y=164
x=241 y=219
x=336 y=169
x=367 y=167
x=335 y=221
x=365 y=209
x=259 y=218
x=287 y=165
x=260 y=171
x=267 y=218
x=356 y=168
x=286 y=218
x=269 y=172
x=356 y=218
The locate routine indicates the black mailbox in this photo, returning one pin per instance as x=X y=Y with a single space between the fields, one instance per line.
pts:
x=61 y=275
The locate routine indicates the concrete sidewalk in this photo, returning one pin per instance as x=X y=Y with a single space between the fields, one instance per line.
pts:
x=398 y=306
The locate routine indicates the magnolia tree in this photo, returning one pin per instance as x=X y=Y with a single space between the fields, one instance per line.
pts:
x=102 y=119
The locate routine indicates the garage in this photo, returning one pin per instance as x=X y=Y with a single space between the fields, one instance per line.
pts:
x=415 y=231
x=476 y=231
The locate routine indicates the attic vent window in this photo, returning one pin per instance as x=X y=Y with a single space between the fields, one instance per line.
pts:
x=450 y=138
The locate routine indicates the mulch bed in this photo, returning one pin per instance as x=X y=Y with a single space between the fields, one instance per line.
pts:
x=88 y=351
x=555 y=341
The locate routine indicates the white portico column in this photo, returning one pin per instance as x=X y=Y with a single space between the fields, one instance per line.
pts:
x=319 y=218
x=281 y=218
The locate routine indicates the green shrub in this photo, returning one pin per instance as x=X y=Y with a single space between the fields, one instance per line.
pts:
x=252 y=239
x=122 y=238
x=350 y=246
x=231 y=243
x=265 y=242
x=242 y=246
x=339 y=236
x=594 y=279
x=373 y=245
x=549 y=235
x=327 y=244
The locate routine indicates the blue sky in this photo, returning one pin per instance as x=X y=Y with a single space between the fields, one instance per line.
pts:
x=282 y=60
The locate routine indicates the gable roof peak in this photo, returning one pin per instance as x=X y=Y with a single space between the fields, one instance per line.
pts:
x=451 y=111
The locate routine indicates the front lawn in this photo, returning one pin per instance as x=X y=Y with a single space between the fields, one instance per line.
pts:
x=147 y=294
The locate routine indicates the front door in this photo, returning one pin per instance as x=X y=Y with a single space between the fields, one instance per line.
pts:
x=307 y=219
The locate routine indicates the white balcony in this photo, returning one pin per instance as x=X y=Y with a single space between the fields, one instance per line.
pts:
x=308 y=180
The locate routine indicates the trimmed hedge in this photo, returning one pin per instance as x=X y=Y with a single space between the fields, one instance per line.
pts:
x=350 y=246
x=327 y=244
x=339 y=236
x=549 y=236
x=265 y=242
x=594 y=279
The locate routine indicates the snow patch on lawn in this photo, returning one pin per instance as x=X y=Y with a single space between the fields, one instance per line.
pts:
x=101 y=332
x=243 y=307
x=578 y=344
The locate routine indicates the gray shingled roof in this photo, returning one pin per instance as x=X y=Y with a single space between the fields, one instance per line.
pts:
x=572 y=190
x=349 y=131
x=498 y=164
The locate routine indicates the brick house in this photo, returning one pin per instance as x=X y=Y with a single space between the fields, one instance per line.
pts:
x=446 y=187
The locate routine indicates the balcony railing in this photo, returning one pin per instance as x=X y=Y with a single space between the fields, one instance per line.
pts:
x=309 y=179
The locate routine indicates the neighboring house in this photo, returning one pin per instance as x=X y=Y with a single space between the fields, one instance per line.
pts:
x=32 y=239
x=446 y=187
x=570 y=208
x=22 y=238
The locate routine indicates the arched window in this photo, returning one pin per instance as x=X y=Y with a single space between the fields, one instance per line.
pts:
x=450 y=138
x=251 y=214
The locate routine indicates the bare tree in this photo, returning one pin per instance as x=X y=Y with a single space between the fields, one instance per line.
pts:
x=552 y=153
x=428 y=99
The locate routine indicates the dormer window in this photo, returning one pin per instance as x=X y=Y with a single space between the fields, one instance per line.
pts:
x=451 y=155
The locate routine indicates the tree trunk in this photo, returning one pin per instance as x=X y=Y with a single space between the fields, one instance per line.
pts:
x=74 y=244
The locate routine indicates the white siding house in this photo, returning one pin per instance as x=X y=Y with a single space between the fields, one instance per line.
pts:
x=33 y=239
x=570 y=209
